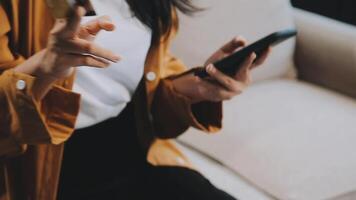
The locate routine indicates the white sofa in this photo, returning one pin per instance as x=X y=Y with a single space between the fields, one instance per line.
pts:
x=292 y=134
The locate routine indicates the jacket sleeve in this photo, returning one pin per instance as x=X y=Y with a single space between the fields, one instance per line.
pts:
x=172 y=112
x=23 y=120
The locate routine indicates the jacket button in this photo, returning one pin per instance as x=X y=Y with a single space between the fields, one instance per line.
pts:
x=20 y=85
x=151 y=76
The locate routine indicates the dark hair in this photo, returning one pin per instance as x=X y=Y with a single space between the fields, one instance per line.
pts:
x=157 y=14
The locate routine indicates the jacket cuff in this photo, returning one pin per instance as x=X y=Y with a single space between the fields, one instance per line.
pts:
x=173 y=113
x=63 y=109
x=50 y=121
x=209 y=115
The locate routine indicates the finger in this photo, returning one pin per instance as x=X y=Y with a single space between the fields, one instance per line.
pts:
x=248 y=62
x=243 y=74
x=80 y=46
x=86 y=60
x=234 y=44
x=215 y=93
x=102 y=23
x=262 y=58
x=73 y=22
x=95 y=50
x=224 y=80
x=244 y=78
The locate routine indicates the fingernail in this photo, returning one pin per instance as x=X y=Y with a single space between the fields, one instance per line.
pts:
x=107 y=24
x=254 y=55
x=81 y=11
x=117 y=58
x=207 y=68
x=112 y=26
x=210 y=68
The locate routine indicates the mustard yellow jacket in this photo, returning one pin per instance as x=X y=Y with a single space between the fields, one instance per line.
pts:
x=32 y=133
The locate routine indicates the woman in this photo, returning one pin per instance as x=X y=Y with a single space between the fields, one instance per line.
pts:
x=116 y=153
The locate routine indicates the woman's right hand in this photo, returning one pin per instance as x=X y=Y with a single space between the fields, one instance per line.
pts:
x=69 y=45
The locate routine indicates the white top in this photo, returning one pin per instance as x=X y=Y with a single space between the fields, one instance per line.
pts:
x=105 y=92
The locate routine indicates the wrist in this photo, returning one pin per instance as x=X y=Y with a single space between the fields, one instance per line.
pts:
x=41 y=87
x=184 y=86
x=43 y=81
x=32 y=66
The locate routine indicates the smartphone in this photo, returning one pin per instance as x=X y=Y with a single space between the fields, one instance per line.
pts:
x=231 y=64
x=60 y=8
x=88 y=7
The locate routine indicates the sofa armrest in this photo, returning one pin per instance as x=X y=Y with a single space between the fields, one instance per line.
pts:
x=326 y=52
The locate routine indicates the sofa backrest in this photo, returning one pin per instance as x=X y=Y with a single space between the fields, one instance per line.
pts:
x=199 y=36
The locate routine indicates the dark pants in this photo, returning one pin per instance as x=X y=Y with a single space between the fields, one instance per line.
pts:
x=106 y=162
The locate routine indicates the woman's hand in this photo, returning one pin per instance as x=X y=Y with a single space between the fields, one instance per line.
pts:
x=220 y=87
x=69 y=45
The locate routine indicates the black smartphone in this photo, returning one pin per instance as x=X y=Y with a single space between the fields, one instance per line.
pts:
x=231 y=64
x=88 y=7
x=60 y=8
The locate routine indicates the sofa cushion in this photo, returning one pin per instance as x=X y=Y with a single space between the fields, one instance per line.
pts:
x=222 y=177
x=293 y=139
x=203 y=34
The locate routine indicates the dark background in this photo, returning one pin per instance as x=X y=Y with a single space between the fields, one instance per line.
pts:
x=343 y=10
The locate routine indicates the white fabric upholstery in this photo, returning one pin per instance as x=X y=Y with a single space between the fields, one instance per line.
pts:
x=326 y=53
x=293 y=139
x=224 y=178
x=204 y=33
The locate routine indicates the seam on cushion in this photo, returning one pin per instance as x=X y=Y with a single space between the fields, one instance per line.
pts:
x=354 y=55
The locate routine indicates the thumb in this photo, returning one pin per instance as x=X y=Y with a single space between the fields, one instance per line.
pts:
x=72 y=22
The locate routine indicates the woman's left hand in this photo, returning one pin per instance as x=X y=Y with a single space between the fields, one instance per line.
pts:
x=220 y=87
